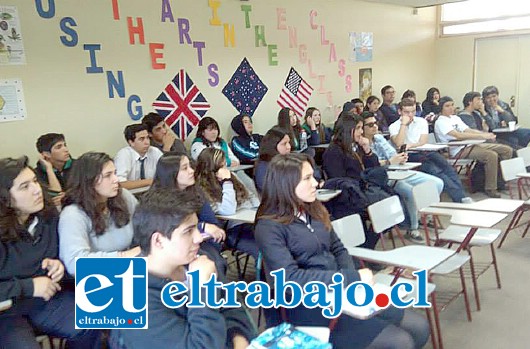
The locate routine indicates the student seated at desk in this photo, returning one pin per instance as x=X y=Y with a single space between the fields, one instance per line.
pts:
x=54 y=164
x=449 y=127
x=209 y=136
x=300 y=138
x=174 y=170
x=227 y=194
x=413 y=131
x=30 y=269
x=275 y=141
x=294 y=232
x=246 y=144
x=372 y=105
x=165 y=225
x=96 y=218
x=500 y=115
x=136 y=163
x=388 y=156
x=161 y=135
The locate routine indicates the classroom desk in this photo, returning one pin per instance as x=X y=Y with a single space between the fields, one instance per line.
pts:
x=465 y=142
x=240 y=168
x=139 y=190
x=405 y=166
x=323 y=146
x=489 y=205
x=324 y=195
x=523 y=175
x=468 y=218
x=430 y=147
x=505 y=129
x=247 y=215
x=399 y=175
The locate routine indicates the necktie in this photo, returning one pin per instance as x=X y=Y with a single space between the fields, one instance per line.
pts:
x=142 y=168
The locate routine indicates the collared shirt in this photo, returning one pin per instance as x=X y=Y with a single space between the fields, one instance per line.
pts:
x=127 y=163
x=415 y=130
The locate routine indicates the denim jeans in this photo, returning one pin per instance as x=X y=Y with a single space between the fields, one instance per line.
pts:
x=435 y=164
x=404 y=190
x=54 y=317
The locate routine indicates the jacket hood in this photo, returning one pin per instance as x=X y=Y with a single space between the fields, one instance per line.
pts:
x=237 y=125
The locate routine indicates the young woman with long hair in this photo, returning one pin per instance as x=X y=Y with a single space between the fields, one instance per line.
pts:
x=289 y=121
x=96 y=216
x=294 y=232
x=275 y=141
x=227 y=194
x=31 y=273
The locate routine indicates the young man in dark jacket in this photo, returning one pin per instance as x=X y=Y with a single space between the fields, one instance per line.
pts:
x=165 y=226
x=246 y=144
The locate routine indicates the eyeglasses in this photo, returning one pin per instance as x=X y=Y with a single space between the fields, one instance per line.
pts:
x=370 y=124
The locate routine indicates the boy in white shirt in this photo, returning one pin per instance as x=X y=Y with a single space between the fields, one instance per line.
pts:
x=449 y=127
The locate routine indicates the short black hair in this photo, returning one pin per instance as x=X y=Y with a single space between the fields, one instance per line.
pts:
x=163 y=210
x=47 y=141
x=490 y=90
x=357 y=100
x=131 y=131
x=151 y=120
x=468 y=98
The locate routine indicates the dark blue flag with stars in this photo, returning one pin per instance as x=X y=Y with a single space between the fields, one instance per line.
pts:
x=245 y=90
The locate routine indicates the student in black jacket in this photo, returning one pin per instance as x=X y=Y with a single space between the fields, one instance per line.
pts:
x=165 y=226
x=294 y=232
x=246 y=144
x=30 y=270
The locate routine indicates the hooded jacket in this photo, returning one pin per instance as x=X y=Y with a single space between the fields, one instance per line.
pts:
x=245 y=146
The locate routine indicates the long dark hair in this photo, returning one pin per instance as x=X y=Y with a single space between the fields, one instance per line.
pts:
x=167 y=170
x=269 y=142
x=430 y=94
x=370 y=100
x=279 y=201
x=342 y=133
x=284 y=120
x=10 y=227
x=210 y=160
x=81 y=191
x=204 y=124
x=320 y=127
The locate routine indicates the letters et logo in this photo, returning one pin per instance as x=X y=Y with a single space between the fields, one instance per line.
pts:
x=110 y=293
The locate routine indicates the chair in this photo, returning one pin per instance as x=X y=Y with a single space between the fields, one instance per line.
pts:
x=510 y=169
x=525 y=154
x=350 y=231
x=389 y=221
x=425 y=194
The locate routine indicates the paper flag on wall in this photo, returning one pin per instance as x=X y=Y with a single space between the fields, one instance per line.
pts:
x=181 y=104
x=245 y=90
x=295 y=93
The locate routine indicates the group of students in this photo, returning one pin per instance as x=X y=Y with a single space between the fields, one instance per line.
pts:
x=174 y=224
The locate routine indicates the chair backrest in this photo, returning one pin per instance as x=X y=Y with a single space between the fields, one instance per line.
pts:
x=425 y=194
x=511 y=167
x=525 y=154
x=386 y=213
x=350 y=230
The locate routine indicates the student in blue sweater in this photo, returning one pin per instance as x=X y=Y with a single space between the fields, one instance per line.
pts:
x=31 y=273
x=294 y=232
x=165 y=225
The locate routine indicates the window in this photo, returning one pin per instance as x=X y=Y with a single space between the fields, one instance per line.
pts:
x=484 y=16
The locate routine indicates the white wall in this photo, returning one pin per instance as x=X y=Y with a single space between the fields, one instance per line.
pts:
x=61 y=97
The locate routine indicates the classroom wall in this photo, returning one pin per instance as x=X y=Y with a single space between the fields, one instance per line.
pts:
x=62 y=97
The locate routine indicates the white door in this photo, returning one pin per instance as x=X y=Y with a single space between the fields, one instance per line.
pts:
x=503 y=62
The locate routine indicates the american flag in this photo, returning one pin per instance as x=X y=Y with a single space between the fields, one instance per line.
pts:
x=295 y=93
x=181 y=104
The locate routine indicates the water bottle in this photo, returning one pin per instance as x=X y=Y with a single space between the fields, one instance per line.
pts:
x=303 y=141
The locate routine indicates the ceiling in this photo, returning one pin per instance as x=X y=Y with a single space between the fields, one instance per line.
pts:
x=414 y=3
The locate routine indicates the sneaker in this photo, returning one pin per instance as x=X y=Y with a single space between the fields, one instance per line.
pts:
x=415 y=236
x=467 y=200
x=493 y=194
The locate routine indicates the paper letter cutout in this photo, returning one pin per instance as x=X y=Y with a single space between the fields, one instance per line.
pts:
x=212 y=71
x=155 y=56
x=138 y=112
x=199 y=45
x=259 y=30
x=247 y=9
x=293 y=37
x=323 y=40
x=230 y=35
x=139 y=30
x=310 y=66
x=115 y=10
x=166 y=11
x=332 y=53
x=302 y=51
x=45 y=14
x=280 y=13
x=273 y=55
x=312 y=16
x=342 y=67
x=92 y=48
x=348 y=83
x=214 y=4
x=184 y=28
x=65 y=24
x=119 y=84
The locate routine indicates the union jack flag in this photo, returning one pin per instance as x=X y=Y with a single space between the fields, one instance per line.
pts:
x=295 y=93
x=181 y=104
